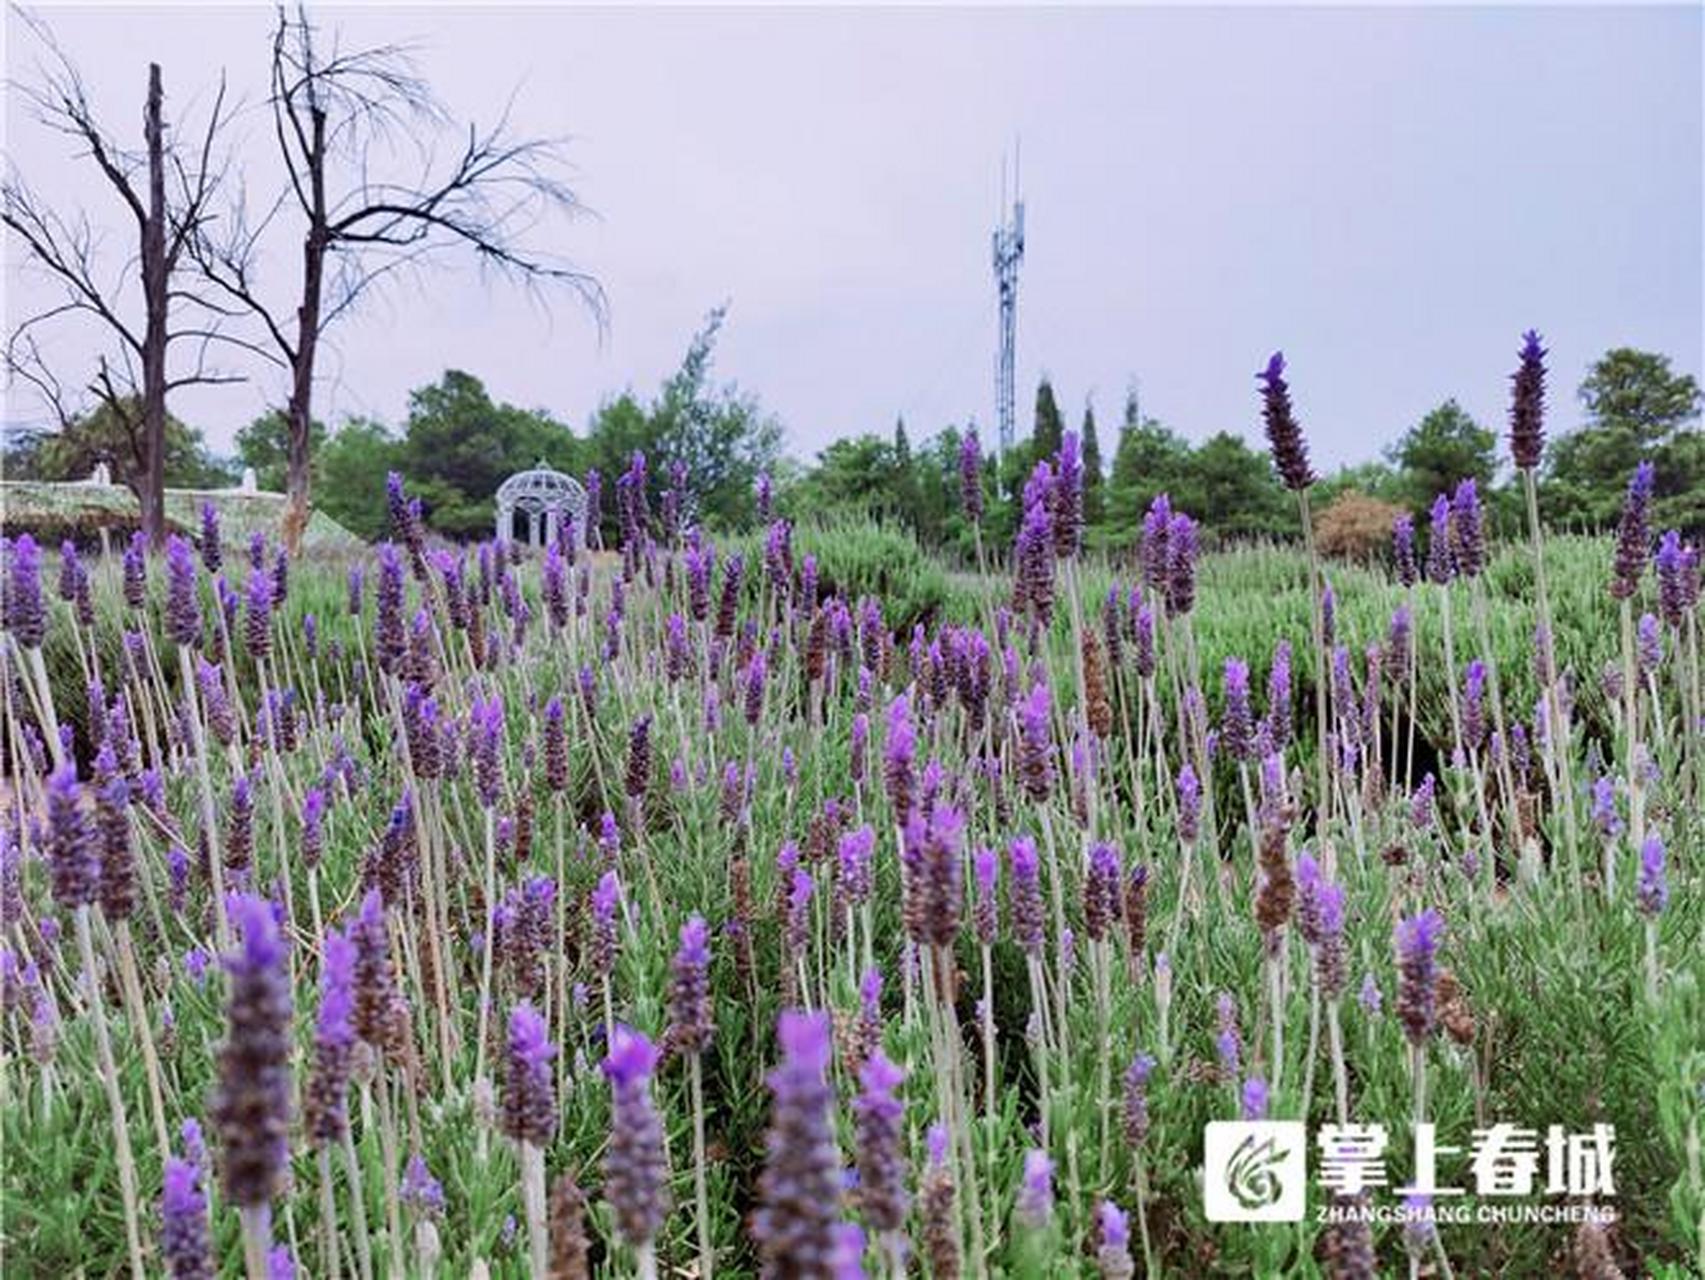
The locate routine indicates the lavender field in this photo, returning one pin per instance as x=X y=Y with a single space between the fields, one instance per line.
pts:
x=678 y=908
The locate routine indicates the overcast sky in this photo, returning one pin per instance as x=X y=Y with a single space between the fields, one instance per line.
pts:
x=1390 y=195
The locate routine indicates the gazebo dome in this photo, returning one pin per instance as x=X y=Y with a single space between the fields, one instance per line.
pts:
x=545 y=496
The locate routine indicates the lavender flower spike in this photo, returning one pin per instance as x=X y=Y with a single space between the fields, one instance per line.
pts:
x=635 y=1165
x=1527 y=405
x=799 y=1190
x=1035 y=1206
x=26 y=613
x=251 y=1107
x=183 y=611
x=1417 y=943
x=326 y=1097
x=1652 y=889
x=183 y=1223
x=1633 y=534
x=690 y=1019
x=1114 y=1256
x=1284 y=435
x=881 y=1152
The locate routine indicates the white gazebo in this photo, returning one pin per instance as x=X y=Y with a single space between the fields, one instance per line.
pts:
x=544 y=495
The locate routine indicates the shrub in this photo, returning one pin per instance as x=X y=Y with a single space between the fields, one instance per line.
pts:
x=1355 y=526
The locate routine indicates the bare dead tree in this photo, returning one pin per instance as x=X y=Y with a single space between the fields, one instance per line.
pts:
x=342 y=122
x=166 y=194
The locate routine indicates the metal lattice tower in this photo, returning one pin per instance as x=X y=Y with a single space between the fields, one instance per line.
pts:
x=1008 y=253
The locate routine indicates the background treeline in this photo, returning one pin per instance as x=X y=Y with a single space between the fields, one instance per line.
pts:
x=458 y=443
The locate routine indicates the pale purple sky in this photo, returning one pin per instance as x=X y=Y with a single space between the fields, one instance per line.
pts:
x=1391 y=195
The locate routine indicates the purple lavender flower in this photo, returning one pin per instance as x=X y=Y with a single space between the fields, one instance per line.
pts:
x=1417 y=940
x=1237 y=727
x=1034 y=1208
x=638 y=779
x=1136 y=1099
x=897 y=756
x=251 y=1106
x=880 y=1126
x=1228 y=1041
x=971 y=476
x=1033 y=556
x=1474 y=705
x=1527 y=405
x=1026 y=899
x=757 y=673
x=765 y=494
x=71 y=844
x=1652 y=889
x=1467 y=528
x=1189 y=805
x=183 y=1229
x=1254 y=1099
x=1633 y=534
x=985 y=867
x=183 y=610
x=1114 y=1256
x=1329 y=955
x=1671 y=564
x=933 y=874
x=112 y=821
x=1036 y=744
x=1284 y=435
x=1279 y=724
x=556 y=747
x=1067 y=497
x=636 y=1168
x=1649 y=647
x=1403 y=548
x=487 y=747
x=1101 y=883
x=799 y=1190
x=420 y=1191
x=326 y=1098
x=1441 y=564
x=1422 y=809
x=1181 y=566
x=606 y=897
x=691 y=1025
x=26 y=613
x=389 y=633
x=529 y=1090
x=1156 y=557
x=1369 y=997
x=855 y=873
x=801 y=887
x=1604 y=814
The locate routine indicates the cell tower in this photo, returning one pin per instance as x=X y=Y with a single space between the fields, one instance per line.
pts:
x=1008 y=253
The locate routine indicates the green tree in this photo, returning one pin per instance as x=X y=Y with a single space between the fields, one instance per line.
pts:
x=265 y=445
x=1635 y=407
x=1232 y=489
x=114 y=436
x=350 y=480
x=853 y=476
x=1050 y=427
x=721 y=435
x=1635 y=391
x=1094 y=479
x=1442 y=449
x=1150 y=460
x=460 y=445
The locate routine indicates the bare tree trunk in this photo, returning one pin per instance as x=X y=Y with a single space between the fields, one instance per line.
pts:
x=307 y=342
x=156 y=279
